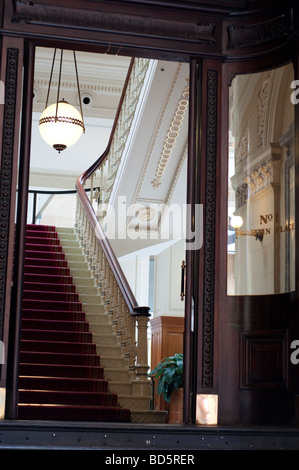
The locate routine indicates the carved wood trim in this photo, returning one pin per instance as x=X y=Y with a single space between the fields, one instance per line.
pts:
x=38 y=13
x=260 y=33
x=210 y=219
x=6 y=170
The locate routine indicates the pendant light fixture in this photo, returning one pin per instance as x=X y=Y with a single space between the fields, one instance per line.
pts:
x=61 y=124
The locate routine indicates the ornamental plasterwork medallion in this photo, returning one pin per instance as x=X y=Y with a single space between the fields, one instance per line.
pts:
x=243 y=146
x=171 y=137
x=146 y=214
x=262 y=100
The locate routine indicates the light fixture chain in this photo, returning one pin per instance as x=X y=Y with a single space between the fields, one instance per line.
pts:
x=59 y=80
x=50 y=81
x=77 y=76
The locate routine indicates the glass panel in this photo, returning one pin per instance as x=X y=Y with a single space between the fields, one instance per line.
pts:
x=261 y=202
x=50 y=208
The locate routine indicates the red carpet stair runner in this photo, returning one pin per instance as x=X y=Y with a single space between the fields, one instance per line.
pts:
x=60 y=374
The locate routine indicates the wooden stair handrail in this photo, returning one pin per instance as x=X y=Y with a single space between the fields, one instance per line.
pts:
x=118 y=273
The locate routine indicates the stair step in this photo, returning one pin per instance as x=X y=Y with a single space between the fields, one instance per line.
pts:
x=79 y=273
x=148 y=416
x=121 y=388
x=83 y=281
x=61 y=370
x=56 y=346
x=40 y=228
x=49 y=287
x=93 y=308
x=67 y=358
x=70 y=242
x=58 y=336
x=60 y=325
x=77 y=265
x=41 y=262
x=46 y=314
x=46 y=236
x=62 y=384
x=103 y=328
x=55 y=397
x=105 y=339
x=41 y=238
x=42 y=247
x=91 y=299
x=73 y=257
x=47 y=279
x=109 y=350
x=134 y=402
x=51 y=305
x=116 y=373
x=73 y=413
x=44 y=255
x=71 y=249
x=88 y=290
x=52 y=270
x=48 y=295
x=112 y=361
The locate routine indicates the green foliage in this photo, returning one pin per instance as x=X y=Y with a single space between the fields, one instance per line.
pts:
x=169 y=372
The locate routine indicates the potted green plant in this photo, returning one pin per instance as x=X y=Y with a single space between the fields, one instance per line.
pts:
x=169 y=373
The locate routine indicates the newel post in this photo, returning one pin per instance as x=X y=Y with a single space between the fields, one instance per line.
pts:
x=141 y=384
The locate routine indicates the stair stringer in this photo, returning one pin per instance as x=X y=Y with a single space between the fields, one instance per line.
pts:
x=93 y=304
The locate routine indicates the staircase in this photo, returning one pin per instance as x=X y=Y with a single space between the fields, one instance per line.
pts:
x=71 y=367
x=60 y=373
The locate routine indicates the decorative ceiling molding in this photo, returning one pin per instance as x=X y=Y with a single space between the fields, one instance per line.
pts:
x=70 y=83
x=171 y=137
x=155 y=135
x=52 y=179
x=243 y=147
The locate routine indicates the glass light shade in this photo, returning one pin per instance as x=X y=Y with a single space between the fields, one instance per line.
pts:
x=236 y=221
x=63 y=131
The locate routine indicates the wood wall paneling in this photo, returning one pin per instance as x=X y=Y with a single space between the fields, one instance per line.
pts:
x=166 y=340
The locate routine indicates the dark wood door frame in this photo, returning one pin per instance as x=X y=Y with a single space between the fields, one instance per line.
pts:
x=211 y=43
x=20 y=234
x=262 y=315
x=17 y=285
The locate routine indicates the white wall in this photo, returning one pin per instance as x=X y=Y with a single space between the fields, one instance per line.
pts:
x=167 y=282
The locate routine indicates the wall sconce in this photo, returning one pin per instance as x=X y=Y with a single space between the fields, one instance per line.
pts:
x=236 y=222
x=61 y=125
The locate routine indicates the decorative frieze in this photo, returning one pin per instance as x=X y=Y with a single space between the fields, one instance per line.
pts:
x=275 y=29
x=262 y=100
x=39 y=13
x=243 y=146
x=253 y=178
